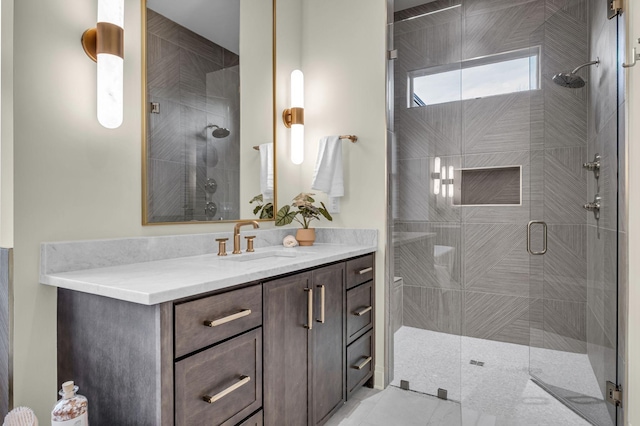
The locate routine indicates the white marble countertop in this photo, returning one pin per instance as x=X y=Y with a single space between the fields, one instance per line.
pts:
x=158 y=281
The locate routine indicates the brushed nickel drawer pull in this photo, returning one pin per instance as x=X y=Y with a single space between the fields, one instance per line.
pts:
x=309 y=324
x=365 y=270
x=211 y=399
x=363 y=363
x=229 y=318
x=362 y=311
x=321 y=320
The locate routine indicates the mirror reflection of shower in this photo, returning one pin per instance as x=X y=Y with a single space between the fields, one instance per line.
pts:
x=218 y=132
x=571 y=80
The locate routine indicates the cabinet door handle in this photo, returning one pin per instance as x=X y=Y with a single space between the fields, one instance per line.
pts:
x=362 y=311
x=365 y=270
x=321 y=320
x=363 y=363
x=309 y=324
x=228 y=318
x=211 y=399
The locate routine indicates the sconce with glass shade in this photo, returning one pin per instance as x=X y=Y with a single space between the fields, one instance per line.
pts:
x=294 y=117
x=105 y=45
x=442 y=178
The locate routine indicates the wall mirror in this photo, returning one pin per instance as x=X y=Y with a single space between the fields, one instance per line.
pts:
x=208 y=114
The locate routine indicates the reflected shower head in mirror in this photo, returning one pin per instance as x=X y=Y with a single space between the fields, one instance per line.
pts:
x=218 y=132
x=571 y=80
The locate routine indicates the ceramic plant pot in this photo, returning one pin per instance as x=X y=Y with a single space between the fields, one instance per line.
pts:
x=306 y=237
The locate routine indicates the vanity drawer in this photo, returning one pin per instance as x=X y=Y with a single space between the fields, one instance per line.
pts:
x=359 y=270
x=255 y=420
x=229 y=374
x=359 y=362
x=359 y=311
x=230 y=313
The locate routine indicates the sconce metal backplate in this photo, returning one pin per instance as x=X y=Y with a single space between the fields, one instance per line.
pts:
x=110 y=40
x=293 y=115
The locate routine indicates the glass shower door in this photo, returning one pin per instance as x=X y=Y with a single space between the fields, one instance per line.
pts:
x=573 y=292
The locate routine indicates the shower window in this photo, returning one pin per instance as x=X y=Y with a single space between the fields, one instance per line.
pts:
x=499 y=74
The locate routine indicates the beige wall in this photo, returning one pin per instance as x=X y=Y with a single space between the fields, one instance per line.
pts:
x=344 y=66
x=632 y=409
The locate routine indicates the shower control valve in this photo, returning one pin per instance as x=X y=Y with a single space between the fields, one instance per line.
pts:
x=594 y=166
x=594 y=206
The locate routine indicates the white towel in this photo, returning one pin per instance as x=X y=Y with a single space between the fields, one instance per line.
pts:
x=328 y=174
x=266 y=171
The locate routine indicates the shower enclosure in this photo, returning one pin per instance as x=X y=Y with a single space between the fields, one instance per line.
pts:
x=506 y=233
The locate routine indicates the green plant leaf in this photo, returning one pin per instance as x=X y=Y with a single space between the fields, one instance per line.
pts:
x=325 y=212
x=256 y=198
x=284 y=216
x=256 y=209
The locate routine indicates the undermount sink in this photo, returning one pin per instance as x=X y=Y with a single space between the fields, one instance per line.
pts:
x=246 y=257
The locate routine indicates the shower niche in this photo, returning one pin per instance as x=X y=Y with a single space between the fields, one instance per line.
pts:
x=488 y=186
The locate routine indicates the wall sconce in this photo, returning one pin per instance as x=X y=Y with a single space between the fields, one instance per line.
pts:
x=294 y=117
x=442 y=181
x=105 y=45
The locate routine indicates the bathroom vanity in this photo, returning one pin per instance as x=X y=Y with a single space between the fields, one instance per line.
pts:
x=275 y=337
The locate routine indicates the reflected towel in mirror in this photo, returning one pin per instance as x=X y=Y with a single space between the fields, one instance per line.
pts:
x=266 y=171
x=328 y=173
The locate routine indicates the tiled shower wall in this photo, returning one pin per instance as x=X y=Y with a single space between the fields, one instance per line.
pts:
x=487 y=285
x=606 y=127
x=196 y=82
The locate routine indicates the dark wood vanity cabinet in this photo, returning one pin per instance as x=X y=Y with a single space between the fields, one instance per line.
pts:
x=304 y=346
x=281 y=352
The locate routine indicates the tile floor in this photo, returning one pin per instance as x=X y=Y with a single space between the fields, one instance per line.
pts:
x=500 y=393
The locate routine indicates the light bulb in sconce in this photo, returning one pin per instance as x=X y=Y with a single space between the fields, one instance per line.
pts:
x=443 y=177
x=450 y=181
x=105 y=45
x=436 y=176
x=294 y=117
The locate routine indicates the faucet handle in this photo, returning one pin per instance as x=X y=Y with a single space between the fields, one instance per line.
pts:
x=222 y=246
x=249 y=239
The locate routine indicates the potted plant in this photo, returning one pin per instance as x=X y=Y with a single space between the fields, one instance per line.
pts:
x=303 y=202
x=262 y=209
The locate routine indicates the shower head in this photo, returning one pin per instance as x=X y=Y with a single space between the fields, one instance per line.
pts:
x=571 y=79
x=218 y=132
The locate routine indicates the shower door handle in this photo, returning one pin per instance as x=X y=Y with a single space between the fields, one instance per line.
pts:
x=544 y=238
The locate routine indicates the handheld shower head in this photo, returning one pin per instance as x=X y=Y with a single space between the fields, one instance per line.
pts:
x=571 y=80
x=218 y=132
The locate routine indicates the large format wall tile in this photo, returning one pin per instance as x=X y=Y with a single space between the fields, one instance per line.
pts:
x=434 y=130
x=496 y=123
x=565 y=115
x=432 y=309
x=484 y=34
x=163 y=68
x=565 y=263
x=422 y=9
x=602 y=78
x=166 y=190
x=565 y=185
x=429 y=46
x=565 y=327
x=166 y=133
x=496 y=317
x=495 y=259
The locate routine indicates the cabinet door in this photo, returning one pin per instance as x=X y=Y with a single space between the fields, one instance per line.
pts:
x=327 y=365
x=286 y=350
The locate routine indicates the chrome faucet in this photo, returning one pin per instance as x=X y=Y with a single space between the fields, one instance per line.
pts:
x=236 y=234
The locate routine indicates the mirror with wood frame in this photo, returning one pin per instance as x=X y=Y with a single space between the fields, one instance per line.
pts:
x=208 y=132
